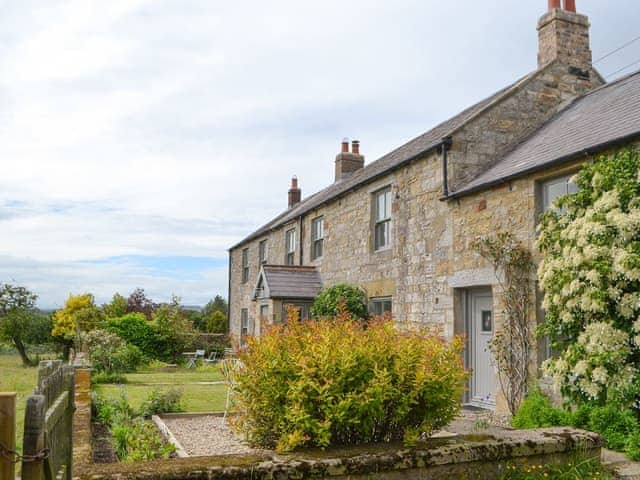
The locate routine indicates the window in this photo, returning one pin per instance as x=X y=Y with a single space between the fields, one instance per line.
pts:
x=380 y=306
x=382 y=219
x=317 y=237
x=290 y=241
x=264 y=314
x=245 y=265
x=555 y=188
x=263 y=252
x=244 y=322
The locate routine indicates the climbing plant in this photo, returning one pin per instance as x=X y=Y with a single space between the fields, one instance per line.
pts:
x=511 y=345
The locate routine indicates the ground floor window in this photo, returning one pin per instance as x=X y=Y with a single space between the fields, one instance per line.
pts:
x=303 y=309
x=244 y=322
x=380 y=306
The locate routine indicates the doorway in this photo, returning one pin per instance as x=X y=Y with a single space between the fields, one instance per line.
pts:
x=481 y=328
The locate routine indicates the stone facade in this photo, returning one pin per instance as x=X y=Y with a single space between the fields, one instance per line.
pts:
x=430 y=267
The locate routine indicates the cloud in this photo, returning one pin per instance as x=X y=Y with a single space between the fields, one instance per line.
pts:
x=140 y=129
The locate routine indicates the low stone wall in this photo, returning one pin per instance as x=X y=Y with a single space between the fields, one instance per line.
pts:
x=472 y=456
x=82 y=451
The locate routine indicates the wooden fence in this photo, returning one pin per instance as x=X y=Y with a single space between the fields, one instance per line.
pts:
x=48 y=424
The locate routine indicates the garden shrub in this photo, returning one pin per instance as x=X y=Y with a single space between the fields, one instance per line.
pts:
x=162 y=402
x=138 y=331
x=331 y=300
x=536 y=411
x=614 y=423
x=340 y=382
x=139 y=440
x=108 y=377
x=109 y=353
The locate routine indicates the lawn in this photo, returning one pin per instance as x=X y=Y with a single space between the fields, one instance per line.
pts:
x=22 y=380
x=196 y=397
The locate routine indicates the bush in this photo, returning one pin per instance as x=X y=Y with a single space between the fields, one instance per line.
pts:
x=108 y=377
x=330 y=300
x=162 y=402
x=136 y=330
x=614 y=423
x=110 y=353
x=340 y=382
x=111 y=412
x=536 y=411
x=139 y=441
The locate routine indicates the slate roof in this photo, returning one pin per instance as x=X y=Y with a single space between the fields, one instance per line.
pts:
x=591 y=123
x=412 y=150
x=292 y=281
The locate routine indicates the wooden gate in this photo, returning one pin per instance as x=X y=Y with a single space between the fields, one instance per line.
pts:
x=48 y=424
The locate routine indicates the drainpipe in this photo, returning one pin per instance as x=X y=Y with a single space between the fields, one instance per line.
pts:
x=446 y=145
x=301 y=242
x=229 y=296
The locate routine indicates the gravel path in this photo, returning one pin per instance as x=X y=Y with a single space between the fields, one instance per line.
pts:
x=207 y=435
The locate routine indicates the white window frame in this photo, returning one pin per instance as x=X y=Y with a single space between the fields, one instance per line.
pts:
x=317 y=238
x=245 y=265
x=263 y=251
x=244 y=322
x=382 y=203
x=565 y=184
x=290 y=247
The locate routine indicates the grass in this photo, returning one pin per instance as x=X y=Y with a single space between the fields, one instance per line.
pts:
x=22 y=380
x=196 y=398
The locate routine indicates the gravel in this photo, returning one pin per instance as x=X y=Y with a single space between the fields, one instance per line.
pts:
x=207 y=435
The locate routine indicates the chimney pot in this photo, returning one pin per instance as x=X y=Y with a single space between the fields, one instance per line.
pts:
x=570 y=6
x=348 y=162
x=295 y=194
x=553 y=4
x=355 y=147
x=345 y=145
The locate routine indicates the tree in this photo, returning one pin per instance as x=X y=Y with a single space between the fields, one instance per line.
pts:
x=330 y=300
x=80 y=314
x=218 y=304
x=590 y=275
x=116 y=308
x=19 y=321
x=217 y=322
x=139 y=303
x=173 y=326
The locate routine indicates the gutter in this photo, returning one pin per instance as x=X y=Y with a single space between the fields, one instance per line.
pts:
x=590 y=151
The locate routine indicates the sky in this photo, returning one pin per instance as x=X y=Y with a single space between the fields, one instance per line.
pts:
x=140 y=139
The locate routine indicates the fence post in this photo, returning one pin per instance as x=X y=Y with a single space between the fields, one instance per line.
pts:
x=34 y=437
x=7 y=432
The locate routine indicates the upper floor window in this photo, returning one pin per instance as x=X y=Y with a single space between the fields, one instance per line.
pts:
x=552 y=189
x=380 y=306
x=262 y=249
x=317 y=238
x=290 y=244
x=245 y=265
x=382 y=219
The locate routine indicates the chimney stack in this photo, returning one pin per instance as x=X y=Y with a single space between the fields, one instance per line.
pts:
x=295 y=193
x=348 y=162
x=564 y=37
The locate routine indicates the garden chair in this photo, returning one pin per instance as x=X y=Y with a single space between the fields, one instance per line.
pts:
x=229 y=353
x=230 y=368
x=193 y=360
x=213 y=358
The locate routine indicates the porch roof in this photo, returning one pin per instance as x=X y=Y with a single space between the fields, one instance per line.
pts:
x=292 y=281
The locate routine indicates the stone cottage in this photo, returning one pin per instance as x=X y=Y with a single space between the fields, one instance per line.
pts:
x=401 y=227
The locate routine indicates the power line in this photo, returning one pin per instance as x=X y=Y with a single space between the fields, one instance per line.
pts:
x=617 y=50
x=623 y=68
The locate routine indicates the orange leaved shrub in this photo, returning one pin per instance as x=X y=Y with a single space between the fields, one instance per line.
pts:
x=340 y=382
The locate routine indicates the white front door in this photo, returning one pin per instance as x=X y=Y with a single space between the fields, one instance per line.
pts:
x=481 y=325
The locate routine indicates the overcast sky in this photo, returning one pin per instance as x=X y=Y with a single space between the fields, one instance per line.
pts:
x=140 y=139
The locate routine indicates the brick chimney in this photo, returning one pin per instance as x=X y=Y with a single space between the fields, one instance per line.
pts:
x=295 y=194
x=347 y=161
x=564 y=36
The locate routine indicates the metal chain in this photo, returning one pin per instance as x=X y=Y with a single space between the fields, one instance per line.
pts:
x=14 y=457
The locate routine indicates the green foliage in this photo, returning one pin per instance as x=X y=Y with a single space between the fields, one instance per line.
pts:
x=330 y=300
x=173 y=328
x=632 y=448
x=136 y=330
x=217 y=322
x=341 y=382
x=134 y=438
x=579 y=468
x=536 y=411
x=20 y=323
x=590 y=274
x=80 y=314
x=162 y=402
x=116 y=308
x=139 y=441
x=109 y=353
x=108 y=377
x=614 y=423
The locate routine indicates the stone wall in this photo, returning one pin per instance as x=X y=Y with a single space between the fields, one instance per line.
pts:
x=477 y=456
x=82 y=450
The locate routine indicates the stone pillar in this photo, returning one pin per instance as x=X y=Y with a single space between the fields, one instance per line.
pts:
x=82 y=435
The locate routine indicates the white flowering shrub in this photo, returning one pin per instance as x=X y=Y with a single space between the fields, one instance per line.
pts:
x=590 y=275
